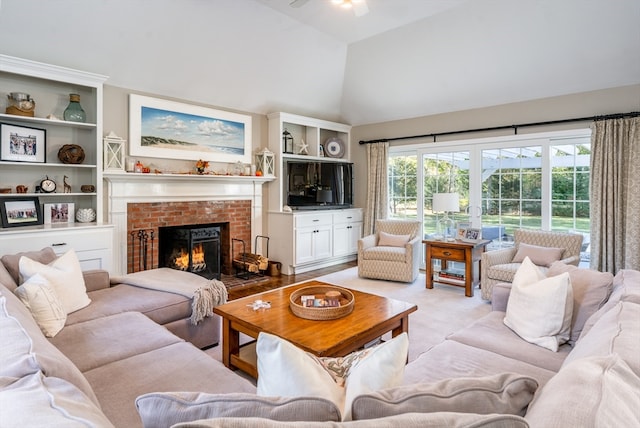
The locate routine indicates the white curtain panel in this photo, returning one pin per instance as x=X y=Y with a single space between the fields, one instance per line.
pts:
x=377 y=192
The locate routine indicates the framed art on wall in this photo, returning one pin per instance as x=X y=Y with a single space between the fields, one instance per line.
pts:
x=171 y=130
x=20 y=211
x=59 y=213
x=22 y=143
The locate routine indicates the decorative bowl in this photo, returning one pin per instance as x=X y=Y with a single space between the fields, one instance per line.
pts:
x=346 y=299
x=85 y=215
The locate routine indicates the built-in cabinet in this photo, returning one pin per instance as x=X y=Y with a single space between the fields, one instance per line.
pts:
x=50 y=86
x=303 y=240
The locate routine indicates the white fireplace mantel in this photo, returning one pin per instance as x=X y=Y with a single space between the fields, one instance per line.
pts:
x=124 y=188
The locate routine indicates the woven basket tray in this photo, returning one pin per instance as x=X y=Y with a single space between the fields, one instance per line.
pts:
x=321 y=313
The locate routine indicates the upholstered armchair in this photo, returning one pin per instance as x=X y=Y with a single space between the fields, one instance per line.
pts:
x=392 y=252
x=501 y=265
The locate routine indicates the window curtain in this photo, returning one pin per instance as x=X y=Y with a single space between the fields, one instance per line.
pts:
x=615 y=194
x=377 y=193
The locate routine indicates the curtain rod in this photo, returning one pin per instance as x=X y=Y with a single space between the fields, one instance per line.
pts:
x=514 y=127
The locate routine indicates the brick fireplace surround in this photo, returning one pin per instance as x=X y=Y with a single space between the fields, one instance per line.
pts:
x=147 y=201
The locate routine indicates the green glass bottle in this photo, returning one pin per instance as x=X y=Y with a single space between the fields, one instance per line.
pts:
x=74 y=111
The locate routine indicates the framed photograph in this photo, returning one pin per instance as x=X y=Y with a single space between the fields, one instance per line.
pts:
x=462 y=230
x=22 y=143
x=59 y=213
x=171 y=130
x=473 y=233
x=20 y=211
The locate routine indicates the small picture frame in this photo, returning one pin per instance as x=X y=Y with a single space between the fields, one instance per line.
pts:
x=61 y=213
x=20 y=211
x=462 y=230
x=22 y=144
x=473 y=234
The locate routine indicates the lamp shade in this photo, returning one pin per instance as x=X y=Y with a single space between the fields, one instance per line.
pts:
x=446 y=202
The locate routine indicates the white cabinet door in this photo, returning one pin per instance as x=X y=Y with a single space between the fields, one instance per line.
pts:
x=322 y=243
x=345 y=238
x=313 y=243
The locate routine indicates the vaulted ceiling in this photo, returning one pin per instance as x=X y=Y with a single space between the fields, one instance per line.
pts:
x=405 y=58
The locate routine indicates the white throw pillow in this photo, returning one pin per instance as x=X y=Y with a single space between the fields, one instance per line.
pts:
x=41 y=299
x=287 y=371
x=390 y=240
x=65 y=276
x=540 y=309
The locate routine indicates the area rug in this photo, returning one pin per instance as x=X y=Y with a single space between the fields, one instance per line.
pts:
x=232 y=281
x=442 y=310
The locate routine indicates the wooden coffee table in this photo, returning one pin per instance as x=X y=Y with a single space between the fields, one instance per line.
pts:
x=372 y=316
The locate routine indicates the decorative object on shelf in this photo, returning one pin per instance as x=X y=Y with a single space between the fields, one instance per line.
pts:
x=21 y=188
x=86 y=215
x=48 y=185
x=21 y=104
x=67 y=186
x=201 y=165
x=265 y=162
x=322 y=308
x=334 y=147
x=207 y=133
x=63 y=212
x=303 y=148
x=22 y=143
x=138 y=167
x=87 y=188
x=5 y=190
x=287 y=142
x=71 y=154
x=113 y=152
x=446 y=203
x=321 y=151
x=20 y=211
x=74 y=111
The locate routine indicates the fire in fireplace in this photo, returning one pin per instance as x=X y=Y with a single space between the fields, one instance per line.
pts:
x=191 y=248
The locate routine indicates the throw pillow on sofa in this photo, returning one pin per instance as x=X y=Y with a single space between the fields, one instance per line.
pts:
x=40 y=298
x=591 y=289
x=507 y=393
x=285 y=370
x=164 y=409
x=65 y=276
x=539 y=308
x=541 y=256
x=390 y=240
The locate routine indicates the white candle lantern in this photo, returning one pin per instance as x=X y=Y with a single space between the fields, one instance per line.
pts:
x=113 y=152
x=265 y=162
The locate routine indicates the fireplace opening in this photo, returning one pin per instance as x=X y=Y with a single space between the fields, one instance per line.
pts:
x=191 y=248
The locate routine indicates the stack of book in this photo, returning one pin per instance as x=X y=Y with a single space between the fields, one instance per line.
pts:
x=455 y=276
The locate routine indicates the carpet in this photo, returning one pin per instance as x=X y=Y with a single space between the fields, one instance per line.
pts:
x=441 y=310
x=232 y=281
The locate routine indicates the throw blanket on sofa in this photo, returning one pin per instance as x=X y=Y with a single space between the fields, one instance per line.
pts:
x=205 y=294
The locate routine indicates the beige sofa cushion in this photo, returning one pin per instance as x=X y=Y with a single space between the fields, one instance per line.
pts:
x=41 y=299
x=391 y=240
x=539 y=308
x=169 y=408
x=616 y=332
x=591 y=289
x=29 y=351
x=38 y=401
x=590 y=392
x=541 y=256
x=507 y=393
x=407 y=420
x=11 y=263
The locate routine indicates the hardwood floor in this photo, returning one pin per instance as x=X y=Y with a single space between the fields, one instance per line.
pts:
x=279 y=281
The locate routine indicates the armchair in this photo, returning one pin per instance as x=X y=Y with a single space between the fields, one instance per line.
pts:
x=397 y=262
x=499 y=266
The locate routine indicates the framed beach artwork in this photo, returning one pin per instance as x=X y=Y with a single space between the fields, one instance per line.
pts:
x=171 y=130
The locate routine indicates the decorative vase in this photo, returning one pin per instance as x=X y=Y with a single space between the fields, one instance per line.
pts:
x=74 y=111
x=86 y=215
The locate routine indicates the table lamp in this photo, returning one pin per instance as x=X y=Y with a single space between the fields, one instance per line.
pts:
x=446 y=203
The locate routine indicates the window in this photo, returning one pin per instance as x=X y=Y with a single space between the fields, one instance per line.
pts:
x=536 y=181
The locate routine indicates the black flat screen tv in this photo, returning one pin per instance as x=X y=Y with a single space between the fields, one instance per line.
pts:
x=318 y=185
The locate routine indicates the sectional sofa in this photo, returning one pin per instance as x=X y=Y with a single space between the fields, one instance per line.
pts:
x=123 y=368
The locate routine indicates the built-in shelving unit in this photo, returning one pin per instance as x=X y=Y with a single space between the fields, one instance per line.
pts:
x=305 y=240
x=50 y=86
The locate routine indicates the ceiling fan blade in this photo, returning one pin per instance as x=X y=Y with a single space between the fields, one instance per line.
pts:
x=297 y=3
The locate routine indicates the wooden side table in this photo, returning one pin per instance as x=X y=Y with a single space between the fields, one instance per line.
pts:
x=458 y=251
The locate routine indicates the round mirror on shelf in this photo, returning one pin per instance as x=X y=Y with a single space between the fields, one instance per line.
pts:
x=334 y=147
